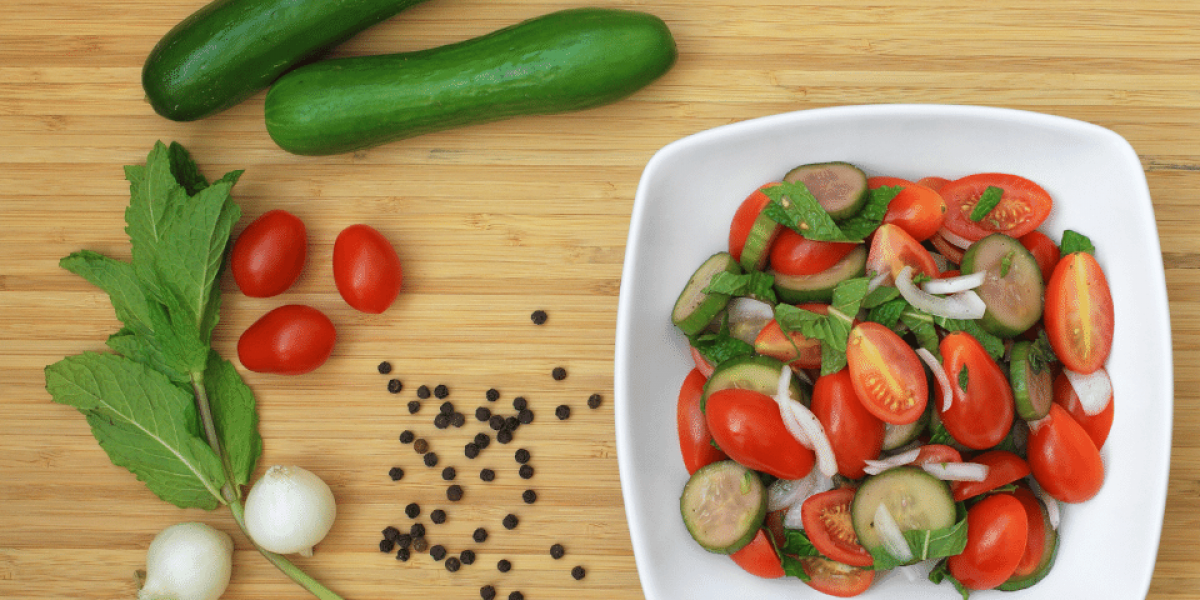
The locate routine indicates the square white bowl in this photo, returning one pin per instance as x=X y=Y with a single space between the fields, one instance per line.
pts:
x=685 y=201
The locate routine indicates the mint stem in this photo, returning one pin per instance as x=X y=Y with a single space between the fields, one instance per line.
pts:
x=228 y=492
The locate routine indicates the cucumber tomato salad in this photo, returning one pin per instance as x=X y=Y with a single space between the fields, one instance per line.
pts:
x=893 y=376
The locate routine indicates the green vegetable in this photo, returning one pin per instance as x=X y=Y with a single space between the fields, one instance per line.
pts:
x=755 y=284
x=231 y=49
x=164 y=404
x=833 y=329
x=564 y=61
x=1073 y=241
x=794 y=207
x=987 y=201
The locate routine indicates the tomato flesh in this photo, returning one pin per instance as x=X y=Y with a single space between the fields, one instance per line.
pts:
x=694 y=437
x=794 y=254
x=997 y=531
x=834 y=578
x=366 y=269
x=759 y=557
x=892 y=249
x=1079 y=313
x=1098 y=425
x=917 y=209
x=854 y=432
x=269 y=255
x=982 y=410
x=743 y=220
x=290 y=340
x=1004 y=467
x=747 y=426
x=1036 y=544
x=1024 y=205
x=1044 y=251
x=826 y=519
x=887 y=375
x=1063 y=458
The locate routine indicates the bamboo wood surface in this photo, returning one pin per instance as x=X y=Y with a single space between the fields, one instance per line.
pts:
x=492 y=222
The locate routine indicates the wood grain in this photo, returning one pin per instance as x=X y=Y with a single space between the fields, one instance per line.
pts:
x=493 y=222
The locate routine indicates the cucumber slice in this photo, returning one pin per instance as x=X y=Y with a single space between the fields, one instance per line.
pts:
x=798 y=289
x=1013 y=287
x=839 y=187
x=754 y=372
x=723 y=506
x=695 y=309
x=1043 y=568
x=895 y=436
x=1032 y=383
x=757 y=248
x=916 y=499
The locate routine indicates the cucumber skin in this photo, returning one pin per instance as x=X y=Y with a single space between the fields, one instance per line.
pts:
x=231 y=49
x=564 y=61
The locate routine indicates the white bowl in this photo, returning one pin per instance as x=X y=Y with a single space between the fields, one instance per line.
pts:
x=685 y=201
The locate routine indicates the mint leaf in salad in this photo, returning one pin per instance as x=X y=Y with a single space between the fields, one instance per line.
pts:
x=794 y=207
x=1073 y=241
x=755 y=284
x=941 y=573
x=926 y=544
x=987 y=202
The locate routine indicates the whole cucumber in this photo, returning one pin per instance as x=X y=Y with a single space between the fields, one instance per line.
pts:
x=231 y=49
x=564 y=61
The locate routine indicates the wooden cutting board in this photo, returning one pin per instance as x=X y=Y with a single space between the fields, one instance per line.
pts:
x=493 y=222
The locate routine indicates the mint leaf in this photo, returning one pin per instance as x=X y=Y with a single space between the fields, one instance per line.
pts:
x=755 y=284
x=987 y=201
x=858 y=227
x=990 y=342
x=964 y=378
x=1073 y=241
x=792 y=567
x=794 y=207
x=796 y=543
x=928 y=543
x=921 y=325
x=144 y=422
x=941 y=573
x=880 y=295
x=717 y=348
x=234 y=412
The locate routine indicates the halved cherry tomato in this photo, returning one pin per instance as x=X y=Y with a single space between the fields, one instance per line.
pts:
x=1037 y=541
x=997 y=531
x=795 y=349
x=917 y=209
x=834 y=578
x=292 y=339
x=826 y=519
x=1023 y=206
x=933 y=182
x=854 y=432
x=1097 y=426
x=932 y=454
x=1004 y=467
x=747 y=426
x=269 y=255
x=1063 y=459
x=694 y=437
x=892 y=249
x=982 y=410
x=1044 y=251
x=794 y=254
x=743 y=219
x=952 y=253
x=366 y=269
x=888 y=377
x=1079 y=313
x=759 y=557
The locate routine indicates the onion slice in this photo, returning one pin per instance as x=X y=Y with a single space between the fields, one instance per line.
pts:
x=939 y=373
x=792 y=519
x=784 y=493
x=747 y=317
x=963 y=305
x=876 y=281
x=875 y=467
x=1094 y=389
x=811 y=433
x=890 y=534
x=954 y=239
x=954 y=285
x=783 y=399
x=957 y=471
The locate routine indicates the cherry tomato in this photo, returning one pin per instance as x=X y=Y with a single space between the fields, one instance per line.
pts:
x=743 y=221
x=747 y=426
x=982 y=410
x=932 y=454
x=834 y=578
x=1044 y=251
x=702 y=363
x=1004 y=467
x=759 y=557
x=997 y=531
x=892 y=249
x=1079 y=313
x=1063 y=459
x=952 y=253
x=855 y=434
x=795 y=349
x=888 y=377
x=826 y=519
x=290 y=340
x=918 y=210
x=933 y=182
x=1040 y=538
x=1097 y=426
x=694 y=437
x=794 y=254
x=1023 y=206
x=268 y=256
x=366 y=269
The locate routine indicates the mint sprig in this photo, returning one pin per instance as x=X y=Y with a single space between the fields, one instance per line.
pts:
x=794 y=207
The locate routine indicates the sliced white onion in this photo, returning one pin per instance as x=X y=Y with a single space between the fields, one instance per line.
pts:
x=1094 y=389
x=818 y=483
x=954 y=285
x=747 y=317
x=877 y=280
x=939 y=373
x=955 y=240
x=784 y=493
x=890 y=534
x=964 y=305
x=957 y=471
x=826 y=460
x=877 y=466
x=783 y=398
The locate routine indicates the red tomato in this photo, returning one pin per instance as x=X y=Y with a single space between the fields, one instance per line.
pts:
x=1079 y=313
x=759 y=557
x=268 y=256
x=1039 y=533
x=794 y=254
x=888 y=377
x=855 y=434
x=747 y=426
x=952 y=253
x=1097 y=426
x=702 y=363
x=366 y=269
x=892 y=249
x=916 y=209
x=798 y=351
x=834 y=578
x=1023 y=206
x=1044 y=251
x=932 y=454
x=997 y=531
x=826 y=519
x=694 y=436
x=290 y=340
x=743 y=220
x=1004 y=467
x=982 y=412
x=933 y=182
x=1063 y=459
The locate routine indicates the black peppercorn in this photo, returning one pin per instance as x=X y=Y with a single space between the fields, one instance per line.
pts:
x=454 y=493
x=496 y=422
x=441 y=391
x=402 y=554
x=412 y=510
x=458 y=419
x=526 y=471
x=529 y=496
x=407 y=437
x=431 y=459
x=516 y=596
x=482 y=440
x=557 y=551
x=480 y=535
x=503 y=565
x=487 y=592
x=390 y=533
x=510 y=521
x=385 y=367
x=386 y=545
x=578 y=573
x=487 y=474
x=492 y=395
x=525 y=417
x=452 y=564
x=538 y=317
x=449 y=473
x=421 y=446
x=438 y=516
x=394 y=386
x=504 y=436
x=512 y=423
x=563 y=412
x=522 y=455
x=447 y=408
x=467 y=557
x=413 y=407
x=417 y=531
x=420 y=544
x=404 y=540
x=483 y=413
x=594 y=401
x=441 y=421
x=520 y=403
x=396 y=473
x=423 y=392
x=438 y=552
x=558 y=373
x=471 y=450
